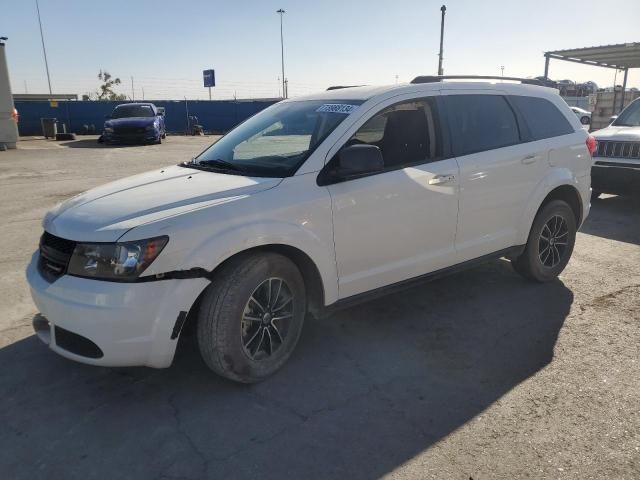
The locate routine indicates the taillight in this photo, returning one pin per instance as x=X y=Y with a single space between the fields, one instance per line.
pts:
x=592 y=144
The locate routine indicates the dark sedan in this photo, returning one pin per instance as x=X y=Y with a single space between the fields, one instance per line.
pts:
x=135 y=123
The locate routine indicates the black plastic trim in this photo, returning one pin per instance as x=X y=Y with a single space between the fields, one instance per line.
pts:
x=177 y=328
x=76 y=344
x=404 y=284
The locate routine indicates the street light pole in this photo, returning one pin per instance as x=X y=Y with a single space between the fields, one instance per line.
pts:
x=282 y=12
x=443 y=9
x=44 y=50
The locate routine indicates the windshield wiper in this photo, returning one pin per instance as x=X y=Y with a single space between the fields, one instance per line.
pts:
x=217 y=165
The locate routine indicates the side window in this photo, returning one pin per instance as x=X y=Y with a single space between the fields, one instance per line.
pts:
x=406 y=133
x=542 y=117
x=481 y=122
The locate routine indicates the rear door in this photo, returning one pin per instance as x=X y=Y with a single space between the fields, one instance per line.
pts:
x=498 y=170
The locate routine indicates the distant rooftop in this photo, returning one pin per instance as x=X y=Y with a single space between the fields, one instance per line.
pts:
x=44 y=96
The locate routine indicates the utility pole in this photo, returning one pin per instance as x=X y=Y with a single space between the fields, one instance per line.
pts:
x=133 y=92
x=143 y=94
x=443 y=9
x=44 y=50
x=284 y=90
x=502 y=69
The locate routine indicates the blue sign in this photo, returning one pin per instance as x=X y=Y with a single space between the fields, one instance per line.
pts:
x=209 y=77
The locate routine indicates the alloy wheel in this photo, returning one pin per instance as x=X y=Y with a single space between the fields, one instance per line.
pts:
x=553 y=241
x=266 y=318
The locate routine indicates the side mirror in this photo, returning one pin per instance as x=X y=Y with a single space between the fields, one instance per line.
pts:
x=357 y=160
x=613 y=118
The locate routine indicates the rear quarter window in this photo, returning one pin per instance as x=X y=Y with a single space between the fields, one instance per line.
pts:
x=542 y=117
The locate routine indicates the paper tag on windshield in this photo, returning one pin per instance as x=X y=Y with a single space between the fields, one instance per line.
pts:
x=337 y=108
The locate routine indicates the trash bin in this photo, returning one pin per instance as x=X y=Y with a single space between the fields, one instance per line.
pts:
x=49 y=127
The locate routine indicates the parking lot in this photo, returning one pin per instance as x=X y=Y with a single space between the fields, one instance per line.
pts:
x=479 y=375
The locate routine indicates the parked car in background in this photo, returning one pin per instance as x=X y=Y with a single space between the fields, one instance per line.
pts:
x=616 y=167
x=311 y=204
x=135 y=123
x=583 y=115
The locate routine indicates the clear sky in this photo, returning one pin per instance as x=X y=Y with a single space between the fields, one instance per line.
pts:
x=166 y=44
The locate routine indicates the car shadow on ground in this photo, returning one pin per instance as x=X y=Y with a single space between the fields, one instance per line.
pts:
x=93 y=143
x=366 y=390
x=616 y=218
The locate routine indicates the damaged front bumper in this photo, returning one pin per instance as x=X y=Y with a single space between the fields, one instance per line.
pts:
x=109 y=323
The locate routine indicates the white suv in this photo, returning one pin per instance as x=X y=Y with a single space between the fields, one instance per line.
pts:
x=314 y=202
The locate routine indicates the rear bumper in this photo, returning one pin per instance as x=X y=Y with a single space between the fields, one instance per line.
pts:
x=615 y=179
x=129 y=324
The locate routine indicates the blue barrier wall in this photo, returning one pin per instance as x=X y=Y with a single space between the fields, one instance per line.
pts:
x=215 y=116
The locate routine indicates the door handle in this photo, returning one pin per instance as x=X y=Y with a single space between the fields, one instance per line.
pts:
x=529 y=159
x=441 y=179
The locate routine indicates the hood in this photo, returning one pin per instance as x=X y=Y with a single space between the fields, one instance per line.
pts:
x=621 y=134
x=130 y=122
x=105 y=213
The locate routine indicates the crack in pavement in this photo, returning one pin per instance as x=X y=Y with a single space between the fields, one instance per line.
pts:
x=185 y=434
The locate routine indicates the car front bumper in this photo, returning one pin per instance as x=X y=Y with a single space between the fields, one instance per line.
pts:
x=138 y=137
x=131 y=324
x=621 y=179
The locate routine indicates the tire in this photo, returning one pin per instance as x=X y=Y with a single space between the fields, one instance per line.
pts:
x=585 y=120
x=164 y=134
x=534 y=263
x=238 y=337
x=159 y=141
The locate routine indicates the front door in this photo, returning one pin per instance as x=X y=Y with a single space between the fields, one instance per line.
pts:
x=399 y=223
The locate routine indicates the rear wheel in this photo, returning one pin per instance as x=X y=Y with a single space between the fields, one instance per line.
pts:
x=550 y=243
x=251 y=317
x=585 y=120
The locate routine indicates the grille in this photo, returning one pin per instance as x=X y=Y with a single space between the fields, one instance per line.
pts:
x=55 y=253
x=128 y=130
x=611 y=149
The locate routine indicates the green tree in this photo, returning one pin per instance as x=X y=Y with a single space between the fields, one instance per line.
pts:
x=105 y=91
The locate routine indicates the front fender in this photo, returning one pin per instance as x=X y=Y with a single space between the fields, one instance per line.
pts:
x=215 y=250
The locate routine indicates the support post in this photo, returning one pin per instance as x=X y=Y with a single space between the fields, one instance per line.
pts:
x=546 y=66
x=443 y=9
x=624 y=87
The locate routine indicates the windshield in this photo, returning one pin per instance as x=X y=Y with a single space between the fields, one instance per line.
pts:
x=126 y=111
x=630 y=116
x=276 y=141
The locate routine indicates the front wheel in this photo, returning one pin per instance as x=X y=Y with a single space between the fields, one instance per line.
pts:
x=251 y=317
x=550 y=243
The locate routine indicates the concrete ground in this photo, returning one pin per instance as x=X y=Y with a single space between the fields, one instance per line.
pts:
x=480 y=375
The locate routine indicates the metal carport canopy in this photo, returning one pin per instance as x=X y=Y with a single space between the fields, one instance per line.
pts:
x=619 y=57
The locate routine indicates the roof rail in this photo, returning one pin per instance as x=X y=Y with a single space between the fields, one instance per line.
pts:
x=439 y=78
x=340 y=87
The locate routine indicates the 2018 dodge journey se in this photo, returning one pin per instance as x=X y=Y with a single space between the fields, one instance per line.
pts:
x=312 y=203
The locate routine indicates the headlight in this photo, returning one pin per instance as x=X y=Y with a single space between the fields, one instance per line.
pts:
x=151 y=127
x=122 y=262
x=108 y=129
